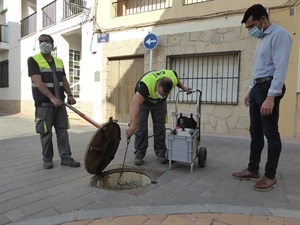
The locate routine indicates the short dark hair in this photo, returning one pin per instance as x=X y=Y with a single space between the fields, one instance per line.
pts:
x=256 y=11
x=51 y=39
x=166 y=84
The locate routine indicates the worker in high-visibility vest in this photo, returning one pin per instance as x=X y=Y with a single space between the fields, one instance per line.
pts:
x=49 y=83
x=151 y=93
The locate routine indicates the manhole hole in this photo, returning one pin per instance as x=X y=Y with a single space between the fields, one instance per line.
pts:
x=132 y=181
x=128 y=180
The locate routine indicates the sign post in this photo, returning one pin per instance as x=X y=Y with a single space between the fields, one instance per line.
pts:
x=150 y=43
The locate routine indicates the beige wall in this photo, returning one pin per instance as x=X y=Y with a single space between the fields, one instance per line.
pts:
x=289 y=110
x=231 y=119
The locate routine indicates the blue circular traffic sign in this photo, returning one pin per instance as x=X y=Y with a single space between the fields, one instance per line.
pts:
x=150 y=41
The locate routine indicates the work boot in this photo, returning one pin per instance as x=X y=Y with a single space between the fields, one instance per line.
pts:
x=162 y=160
x=48 y=165
x=138 y=161
x=69 y=161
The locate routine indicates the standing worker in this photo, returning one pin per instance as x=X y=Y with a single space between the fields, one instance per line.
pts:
x=49 y=83
x=151 y=93
x=266 y=90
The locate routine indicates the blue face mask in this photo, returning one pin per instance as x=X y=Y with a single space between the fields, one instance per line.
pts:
x=257 y=33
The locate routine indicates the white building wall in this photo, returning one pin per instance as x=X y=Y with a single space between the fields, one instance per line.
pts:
x=13 y=17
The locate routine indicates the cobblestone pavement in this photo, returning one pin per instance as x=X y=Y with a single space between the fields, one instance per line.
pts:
x=34 y=196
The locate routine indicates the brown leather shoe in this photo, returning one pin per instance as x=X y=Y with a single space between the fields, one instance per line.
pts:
x=265 y=184
x=245 y=175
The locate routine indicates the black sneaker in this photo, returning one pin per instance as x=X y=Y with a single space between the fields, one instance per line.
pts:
x=69 y=161
x=48 y=165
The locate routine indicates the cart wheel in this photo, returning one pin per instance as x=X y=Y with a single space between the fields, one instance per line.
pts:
x=202 y=155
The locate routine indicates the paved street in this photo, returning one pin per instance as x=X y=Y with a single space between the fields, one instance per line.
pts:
x=32 y=195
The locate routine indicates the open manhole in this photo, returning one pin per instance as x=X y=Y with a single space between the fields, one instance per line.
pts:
x=101 y=151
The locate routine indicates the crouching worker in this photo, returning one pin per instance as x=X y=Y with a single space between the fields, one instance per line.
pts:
x=151 y=93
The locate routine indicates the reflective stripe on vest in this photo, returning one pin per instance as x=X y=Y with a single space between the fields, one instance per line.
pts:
x=151 y=78
x=45 y=68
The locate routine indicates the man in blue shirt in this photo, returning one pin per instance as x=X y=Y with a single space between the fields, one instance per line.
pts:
x=265 y=92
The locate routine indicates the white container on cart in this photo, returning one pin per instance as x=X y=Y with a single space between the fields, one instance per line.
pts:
x=184 y=142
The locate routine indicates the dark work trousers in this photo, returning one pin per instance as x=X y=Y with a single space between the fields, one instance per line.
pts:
x=158 y=114
x=264 y=125
x=57 y=117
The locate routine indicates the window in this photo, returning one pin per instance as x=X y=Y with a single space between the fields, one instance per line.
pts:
x=189 y=2
x=4 y=74
x=215 y=74
x=74 y=72
x=129 y=7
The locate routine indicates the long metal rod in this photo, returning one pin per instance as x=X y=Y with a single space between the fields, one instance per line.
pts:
x=82 y=115
x=128 y=140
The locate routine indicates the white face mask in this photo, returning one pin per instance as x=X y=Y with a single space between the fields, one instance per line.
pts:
x=45 y=47
x=159 y=95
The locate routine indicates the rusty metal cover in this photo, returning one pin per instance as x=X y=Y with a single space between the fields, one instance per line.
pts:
x=102 y=147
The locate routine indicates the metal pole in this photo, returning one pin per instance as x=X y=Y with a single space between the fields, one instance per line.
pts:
x=151 y=60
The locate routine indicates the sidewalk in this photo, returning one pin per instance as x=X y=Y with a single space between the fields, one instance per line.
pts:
x=34 y=196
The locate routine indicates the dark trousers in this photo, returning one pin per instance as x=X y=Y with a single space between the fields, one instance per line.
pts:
x=158 y=114
x=46 y=118
x=261 y=126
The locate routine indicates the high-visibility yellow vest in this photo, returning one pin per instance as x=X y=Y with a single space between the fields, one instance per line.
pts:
x=150 y=79
x=47 y=78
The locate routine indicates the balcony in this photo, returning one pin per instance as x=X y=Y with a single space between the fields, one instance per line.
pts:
x=28 y=25
x=129 y=7
x=4 y=45
x=72 y=7
x=49 y=14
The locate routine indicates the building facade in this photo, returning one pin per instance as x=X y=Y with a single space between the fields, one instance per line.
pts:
x=105 y=51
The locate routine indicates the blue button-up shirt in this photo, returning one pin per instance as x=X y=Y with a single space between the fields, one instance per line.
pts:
x=272 y=58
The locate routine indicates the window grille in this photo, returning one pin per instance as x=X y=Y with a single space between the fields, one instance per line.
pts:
x=4 y=74
x=189 y=2
x=215 y=74
x=129 y=7
x=74 y=72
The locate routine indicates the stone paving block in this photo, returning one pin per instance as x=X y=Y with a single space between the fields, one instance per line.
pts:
x=132 y=220
x=234 y=219
x=16 y=193
x=44 y=213
x=73 y=204
x=63 y=197
x=4 y=219
x=15 y=214
x=12 y=204
x=32 y=197
x=35 y=207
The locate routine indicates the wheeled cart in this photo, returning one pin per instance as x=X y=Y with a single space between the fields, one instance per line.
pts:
x=184 y=141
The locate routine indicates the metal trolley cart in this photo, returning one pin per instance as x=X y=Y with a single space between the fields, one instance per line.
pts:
x=184 y=140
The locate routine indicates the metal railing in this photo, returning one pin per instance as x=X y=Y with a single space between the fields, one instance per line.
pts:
x=129 y=7
x=49 y=14
x=3 y=33
x=72 y=7
x=28 y=25
x=189 y=2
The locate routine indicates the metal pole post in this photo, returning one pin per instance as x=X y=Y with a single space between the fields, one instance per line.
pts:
x=151 y=60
